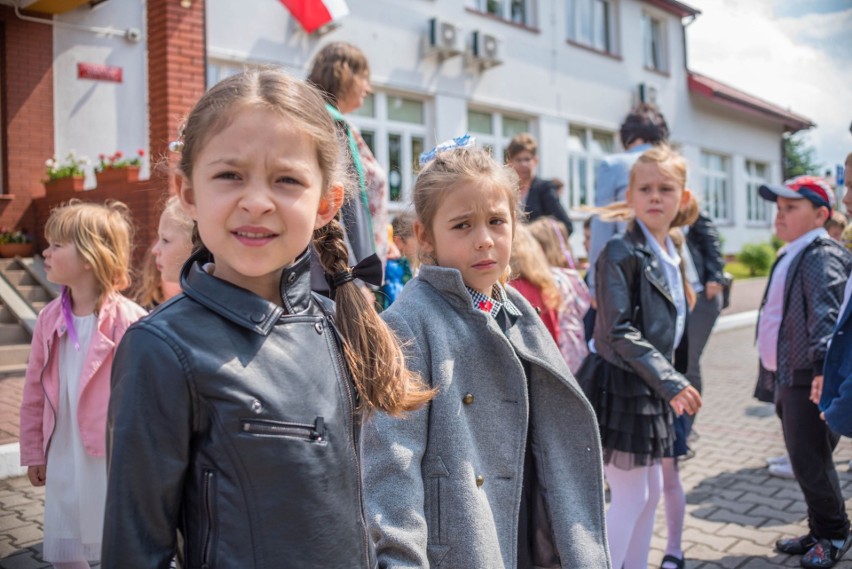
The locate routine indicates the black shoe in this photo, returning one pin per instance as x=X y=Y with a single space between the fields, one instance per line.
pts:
x=676 y=561
x=824 y=554
x=795 y=545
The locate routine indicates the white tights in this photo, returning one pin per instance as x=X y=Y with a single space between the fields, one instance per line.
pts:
x=675 y=500
x=634 y=495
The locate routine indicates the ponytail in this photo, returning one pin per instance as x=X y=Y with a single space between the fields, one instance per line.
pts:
x=375 y=359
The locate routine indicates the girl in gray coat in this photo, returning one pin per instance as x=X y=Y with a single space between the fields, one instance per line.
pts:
x=504 y=468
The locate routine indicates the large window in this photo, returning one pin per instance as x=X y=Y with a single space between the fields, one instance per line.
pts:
x=592 y=23
x=494 y=131
x=757 y=208
x=518 y=11
x=394 y=127
x=716 y=188
x=586 y=148
x=654 y=40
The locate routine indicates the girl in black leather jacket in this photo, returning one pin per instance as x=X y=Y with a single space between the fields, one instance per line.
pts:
x=642 y=308
x=234 y=417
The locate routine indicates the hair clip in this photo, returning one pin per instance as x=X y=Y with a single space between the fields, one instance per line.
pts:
x=463 y=141
x=176 y=146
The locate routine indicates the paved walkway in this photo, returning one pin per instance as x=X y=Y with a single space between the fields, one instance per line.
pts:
x=735 y=510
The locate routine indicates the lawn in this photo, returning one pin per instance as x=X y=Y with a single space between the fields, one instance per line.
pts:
x=740 y=271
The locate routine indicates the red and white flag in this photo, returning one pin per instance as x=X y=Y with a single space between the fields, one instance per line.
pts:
x=314 y=14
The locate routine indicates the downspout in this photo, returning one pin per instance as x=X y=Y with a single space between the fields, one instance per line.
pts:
x=130 y=34
x=683 y=35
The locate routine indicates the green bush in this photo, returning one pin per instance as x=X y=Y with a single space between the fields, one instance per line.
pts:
x=757 y=257
x=776 y=243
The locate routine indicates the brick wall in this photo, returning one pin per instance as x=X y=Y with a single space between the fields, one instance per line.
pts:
x=26 y=114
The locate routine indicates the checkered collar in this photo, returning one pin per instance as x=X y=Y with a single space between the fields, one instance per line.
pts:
x=493 y=304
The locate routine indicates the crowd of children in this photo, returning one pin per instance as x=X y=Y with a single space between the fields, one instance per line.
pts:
x=248 y=421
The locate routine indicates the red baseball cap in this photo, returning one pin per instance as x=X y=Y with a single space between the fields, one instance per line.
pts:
x=812 y=188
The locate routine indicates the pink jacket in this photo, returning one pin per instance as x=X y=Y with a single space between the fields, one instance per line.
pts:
x=41 y=388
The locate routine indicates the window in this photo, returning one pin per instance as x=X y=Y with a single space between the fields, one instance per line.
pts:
x=394 y=127
x=517 y=11
x=494 y=131
x=757 y=208
x=591 y=23
x=586 y=148
x=218 y=70
x=654 y=39
x=716 y=188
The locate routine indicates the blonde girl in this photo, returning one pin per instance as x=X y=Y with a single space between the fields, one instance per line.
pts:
x=643 y=301
x=236 y=407
x=161 y=273
x=553 y=238
x=503 y=467
x=532 y=278
x=67 y=387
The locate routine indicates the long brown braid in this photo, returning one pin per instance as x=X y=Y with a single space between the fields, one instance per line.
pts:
x=375 y=359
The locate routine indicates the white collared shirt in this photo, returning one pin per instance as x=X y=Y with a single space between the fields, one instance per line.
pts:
x=670 y=261
x=772 y=312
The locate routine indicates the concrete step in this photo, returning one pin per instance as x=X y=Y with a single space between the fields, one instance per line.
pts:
x=33 y=293
x=38 y=305
x=12 y=370
x=13 y=334
x=14 y=354
x=18 y=277
x=6 y=316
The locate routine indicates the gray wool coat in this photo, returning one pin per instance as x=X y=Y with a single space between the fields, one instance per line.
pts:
x=443 y=484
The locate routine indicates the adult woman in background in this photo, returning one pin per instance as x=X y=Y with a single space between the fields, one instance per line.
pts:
x=341 y=72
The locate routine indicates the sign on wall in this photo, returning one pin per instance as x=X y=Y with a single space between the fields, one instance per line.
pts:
x=99 y=72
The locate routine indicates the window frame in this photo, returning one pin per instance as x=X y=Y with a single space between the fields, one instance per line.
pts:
x=610 y=28
x=497 y=140
x=662 y=65
x=590 y=159
x=755 y=203
x=505 y=11
x=724 y=176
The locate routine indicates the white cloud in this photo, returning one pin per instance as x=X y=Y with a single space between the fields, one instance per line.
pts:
x=787 y=61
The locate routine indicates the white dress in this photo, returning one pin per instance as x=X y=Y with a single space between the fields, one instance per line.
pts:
x=76 y=482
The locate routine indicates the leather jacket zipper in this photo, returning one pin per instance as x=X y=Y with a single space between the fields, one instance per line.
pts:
x=314 y=433
x=208 y=481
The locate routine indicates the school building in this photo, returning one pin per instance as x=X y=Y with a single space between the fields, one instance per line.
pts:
x=104 y=75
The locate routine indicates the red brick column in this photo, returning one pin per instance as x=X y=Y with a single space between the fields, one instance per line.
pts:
x=176 y=68
x=27 y=113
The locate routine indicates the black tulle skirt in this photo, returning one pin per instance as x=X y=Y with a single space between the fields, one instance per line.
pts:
x=635 y=423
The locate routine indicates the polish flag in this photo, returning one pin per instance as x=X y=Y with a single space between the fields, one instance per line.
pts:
x=314 y=14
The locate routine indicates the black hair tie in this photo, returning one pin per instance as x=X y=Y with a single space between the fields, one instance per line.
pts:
x=369 y=270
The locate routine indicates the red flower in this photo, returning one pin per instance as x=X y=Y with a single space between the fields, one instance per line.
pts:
x=141 y=153
x=119 y=154
x=102 y=157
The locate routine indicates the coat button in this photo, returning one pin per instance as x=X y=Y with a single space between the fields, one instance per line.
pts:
x=256 y=406
x=480 y=480
x=468 y=398
x=318 y=327
x=258 y=317
x=291 y=277
x=538 y=310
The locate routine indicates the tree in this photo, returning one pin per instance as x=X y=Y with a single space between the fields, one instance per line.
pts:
x=799 y=157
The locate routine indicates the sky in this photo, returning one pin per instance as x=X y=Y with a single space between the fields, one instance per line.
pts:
x=787 y=52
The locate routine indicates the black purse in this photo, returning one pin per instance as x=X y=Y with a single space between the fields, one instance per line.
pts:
x=727 y=283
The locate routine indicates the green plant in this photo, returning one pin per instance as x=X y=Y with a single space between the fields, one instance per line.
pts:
x=757 y=257
x=14 y=236
x=776 y=243
x=72 y=166
x=118 y=160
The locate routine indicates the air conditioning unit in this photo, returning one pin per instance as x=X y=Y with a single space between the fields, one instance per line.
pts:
x=444 y=38
x=649 y=93
x=485 y=49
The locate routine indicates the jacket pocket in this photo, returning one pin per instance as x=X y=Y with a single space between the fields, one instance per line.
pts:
x=208 y=548
x=301 y=431
x=437 y=477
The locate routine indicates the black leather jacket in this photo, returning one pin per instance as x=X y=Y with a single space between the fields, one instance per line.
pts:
x=232 y=420
x=706 y=250
x=635 y=324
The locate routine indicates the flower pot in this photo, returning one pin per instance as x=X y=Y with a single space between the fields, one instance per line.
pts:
x=8 y=250
x=118 y=175
x=72 y=183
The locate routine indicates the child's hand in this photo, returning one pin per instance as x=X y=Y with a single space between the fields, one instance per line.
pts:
x=37 y=474
x=816 y=389
x=712 y=289
x=687 y=401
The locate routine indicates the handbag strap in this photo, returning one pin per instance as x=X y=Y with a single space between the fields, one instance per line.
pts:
x=566 y=251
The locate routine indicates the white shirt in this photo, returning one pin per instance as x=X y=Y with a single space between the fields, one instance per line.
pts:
x=670 y=261
x=773 y=310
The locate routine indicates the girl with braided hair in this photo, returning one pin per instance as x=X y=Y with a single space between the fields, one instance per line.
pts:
x=237 y=407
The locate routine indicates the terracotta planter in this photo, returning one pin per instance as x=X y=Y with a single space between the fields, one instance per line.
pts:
x=118 y=175
x=73 y=183
x=8 y=250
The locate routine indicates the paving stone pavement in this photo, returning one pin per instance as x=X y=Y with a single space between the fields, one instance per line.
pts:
x=735 y=510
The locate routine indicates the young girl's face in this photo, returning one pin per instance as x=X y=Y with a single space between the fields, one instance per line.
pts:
x=471 y=232
x=256 y=194
x=64 y=265
x=172 y=249
x=655 y=195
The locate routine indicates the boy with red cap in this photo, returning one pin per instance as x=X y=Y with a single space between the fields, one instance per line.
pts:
x=797 y=316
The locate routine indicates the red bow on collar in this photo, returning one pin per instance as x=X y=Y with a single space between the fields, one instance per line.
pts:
x=486 y=305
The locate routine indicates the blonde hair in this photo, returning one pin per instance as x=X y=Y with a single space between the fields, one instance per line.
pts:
x=553 y=239
x=174 y=211
x=447 y=171
x=373 y=355
x=529 y=263
x=149 y=291
x=102 y=235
